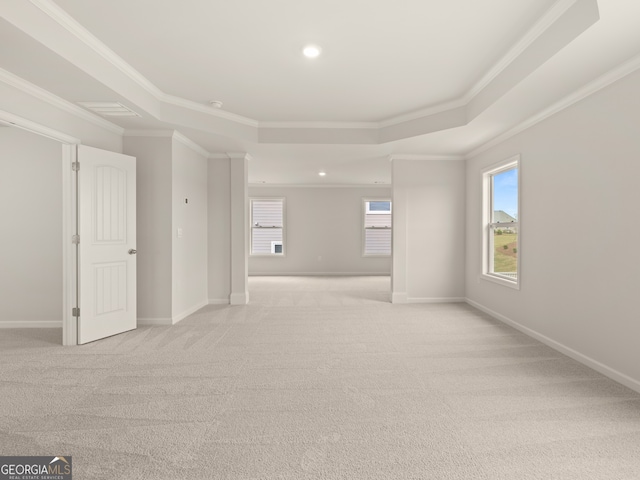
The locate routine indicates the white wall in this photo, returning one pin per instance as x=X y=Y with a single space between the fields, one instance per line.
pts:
x=428 y=230
x=172 y=271
x=31 y=239
x=154 y=225
x=323 y=232
x=580 y=260
x=189 y=193
x=219 y=227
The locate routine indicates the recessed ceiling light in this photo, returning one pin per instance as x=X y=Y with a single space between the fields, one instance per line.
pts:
x=311 y=51
x=215 y=103
x=322 y=174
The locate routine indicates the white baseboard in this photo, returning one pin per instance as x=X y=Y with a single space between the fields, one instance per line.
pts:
x=607 y=371
x=240 y=298
x=399 y=297
x=189 y=311
x=320 y=274
x=154 y=322
x=436 y=300
x=31 y=324
x=403 y=297
x=218 y=301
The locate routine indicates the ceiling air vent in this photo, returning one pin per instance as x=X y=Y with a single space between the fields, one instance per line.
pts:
x=109 y=109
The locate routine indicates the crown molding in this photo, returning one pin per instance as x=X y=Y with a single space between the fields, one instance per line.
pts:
x=598 y=84
x=557 y=11
x=321 y=125
x=552 y=15
x=72 y=26
x=12 y=120
x=239 y=156
x=426 y=158
x=76 y=29
x=29 y=88
x=173 y=134
x=198 y=107
x=542 y=25
x=81 y=33
x=424 y=112
x=230 y=156
x=179 y=137
x=148 y=133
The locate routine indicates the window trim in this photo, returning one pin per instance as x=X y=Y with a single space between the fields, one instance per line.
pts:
x=365 y=211
x=487 y=225
x=251 y=227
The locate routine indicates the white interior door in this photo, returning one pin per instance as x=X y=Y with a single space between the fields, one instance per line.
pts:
x=107 y=229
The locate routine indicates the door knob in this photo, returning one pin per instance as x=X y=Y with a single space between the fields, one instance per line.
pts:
x=132 y=251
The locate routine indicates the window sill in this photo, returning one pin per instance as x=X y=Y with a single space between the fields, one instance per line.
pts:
x=500 y=281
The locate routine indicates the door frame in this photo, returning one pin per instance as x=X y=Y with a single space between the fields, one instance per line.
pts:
x=69 y=249
x=69 y=217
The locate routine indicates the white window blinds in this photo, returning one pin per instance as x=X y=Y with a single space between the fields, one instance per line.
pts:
x=267 y=226
x=377 y=227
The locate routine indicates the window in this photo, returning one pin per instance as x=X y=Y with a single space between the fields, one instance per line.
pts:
x=377 y=227
x=502 y=223
x=267 y=226
x=378 y=207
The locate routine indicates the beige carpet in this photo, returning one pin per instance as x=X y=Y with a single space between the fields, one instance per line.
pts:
x=320 y=378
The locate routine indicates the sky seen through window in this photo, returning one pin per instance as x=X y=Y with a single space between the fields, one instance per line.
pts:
x=505 y=192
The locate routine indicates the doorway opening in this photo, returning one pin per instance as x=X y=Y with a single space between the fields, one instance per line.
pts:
x=317 y=231
x=32 y=207
x=45 y=219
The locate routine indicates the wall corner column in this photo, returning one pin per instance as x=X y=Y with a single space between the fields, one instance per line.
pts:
x=239 y=229
x=399 y=241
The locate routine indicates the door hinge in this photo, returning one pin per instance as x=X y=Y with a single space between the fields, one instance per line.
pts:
x=75 y=166
x=75 y=239
x=75 y=312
